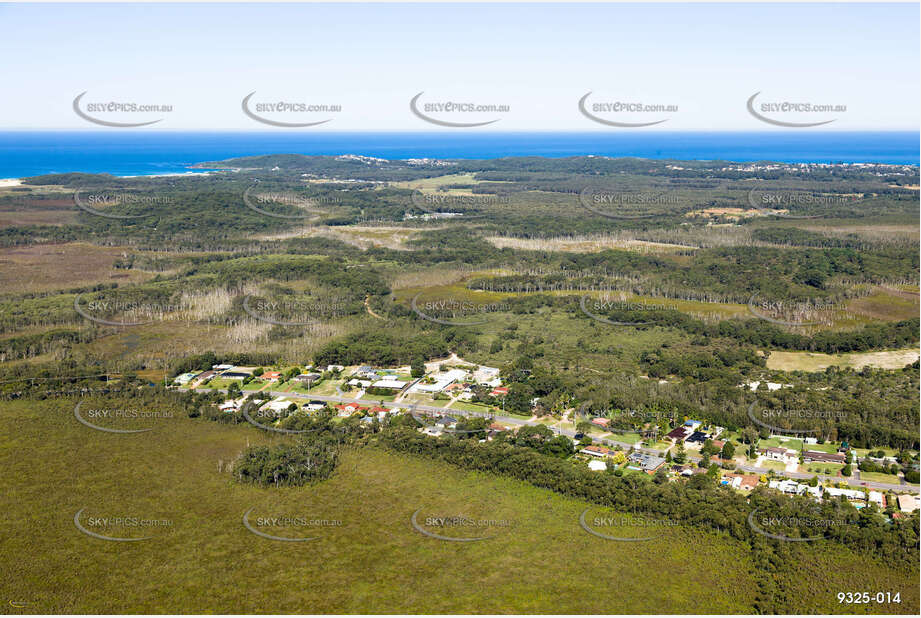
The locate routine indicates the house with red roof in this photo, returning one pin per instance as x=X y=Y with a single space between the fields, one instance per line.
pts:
x=597 y=451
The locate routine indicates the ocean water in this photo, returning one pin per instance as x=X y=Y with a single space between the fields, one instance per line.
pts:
x=124 y=153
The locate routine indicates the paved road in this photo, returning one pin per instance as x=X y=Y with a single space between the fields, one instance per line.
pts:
x=570 y=433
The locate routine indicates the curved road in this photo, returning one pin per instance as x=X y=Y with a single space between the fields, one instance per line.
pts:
x=567 y=432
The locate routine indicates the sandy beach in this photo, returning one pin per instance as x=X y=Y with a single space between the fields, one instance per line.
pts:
x=10 y=182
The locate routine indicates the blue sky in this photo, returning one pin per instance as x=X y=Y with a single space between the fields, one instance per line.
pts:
x=538 y=59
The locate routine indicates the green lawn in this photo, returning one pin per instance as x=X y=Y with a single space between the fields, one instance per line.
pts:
x=326 y=387
x=469 y=407
x=368 y=397
x=828 y=447
x=629 y=438
x=890 y=452
x=821 y=468
x=793 y=443
x=879 y=477
x=773 y=465
x=221 y=383
x=295 y=386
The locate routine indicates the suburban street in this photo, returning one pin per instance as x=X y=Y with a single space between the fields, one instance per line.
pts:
x=570 y=433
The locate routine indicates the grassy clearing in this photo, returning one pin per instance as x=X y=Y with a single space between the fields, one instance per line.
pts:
x=436 y=183
x=588 y=244
x=470 y=407
x=815 y=361
x=40 y=268
x=879 y=477
x=794 y=443
x=821 y=468
x=885 y=306
x=828 y=447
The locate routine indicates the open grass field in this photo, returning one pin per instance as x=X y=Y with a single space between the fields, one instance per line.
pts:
x=436 y=182
x=201 y=558
x=65 y=216
x=794 y=443
x=886 y=306
x=815 y=361
x=49 y=267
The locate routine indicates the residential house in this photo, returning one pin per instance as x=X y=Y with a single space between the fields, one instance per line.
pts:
x=601 y=422
x=679 y=433
x=778 y=453
x=231 y=405
x=185 y=378
x=877 y=498
x=850 y=494
x=818 y=456
x=235 y=375
x=308 y=378
x=743 y=482
x=390 y=384
x=499 y=391
x=365 y=371
x=441 y=381
x=446 y=422
x=908 y=503
x=693 y=424
x=645 y=462
x=271 y=376
x=595 y=450
x=348 y=409
x=483 y=374
x=278 y=407
x=789 y=486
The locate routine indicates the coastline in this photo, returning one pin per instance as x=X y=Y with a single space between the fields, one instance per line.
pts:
x=139 y=153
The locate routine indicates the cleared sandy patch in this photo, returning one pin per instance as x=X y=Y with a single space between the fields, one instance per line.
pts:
x=435 y=183
x=814 y=361
x=586 y=244
x=731 y=213
x=362 y=237
x=9 y=182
